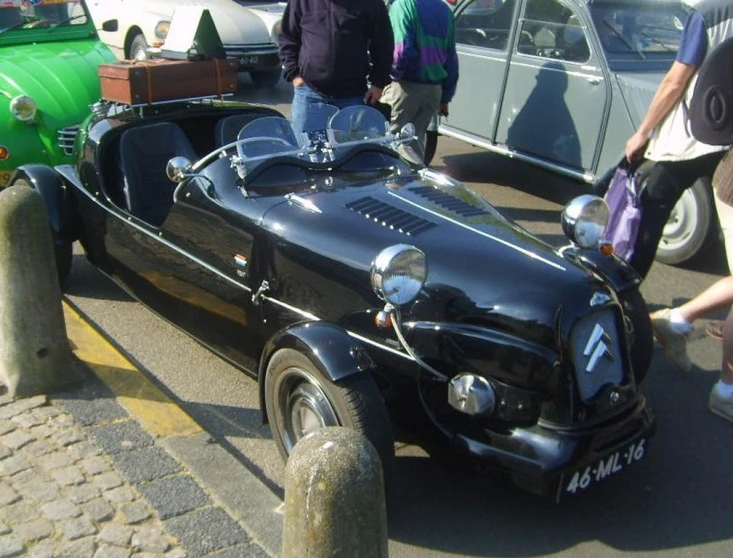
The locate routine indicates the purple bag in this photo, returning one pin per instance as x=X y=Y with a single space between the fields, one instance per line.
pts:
x=624 y=204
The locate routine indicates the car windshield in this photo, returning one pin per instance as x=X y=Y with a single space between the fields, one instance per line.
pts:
x=324 y=141
x=638 y=30
x=23 y=15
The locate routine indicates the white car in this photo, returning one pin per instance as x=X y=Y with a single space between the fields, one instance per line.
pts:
x=248 y=30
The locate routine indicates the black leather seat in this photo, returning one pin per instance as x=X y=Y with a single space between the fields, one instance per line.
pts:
x=144 y=154
x=228 y=128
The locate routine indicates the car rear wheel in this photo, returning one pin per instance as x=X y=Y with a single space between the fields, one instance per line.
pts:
x=266 y=78
x=431 y=145
x=299 y=399
x=63 y=251
x=691 y=225
x=138 y=48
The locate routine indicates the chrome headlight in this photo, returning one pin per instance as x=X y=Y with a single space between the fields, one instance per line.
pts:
x=584 y=220
x=23 y=108
x=398 y=273
x=275 y=33
x=161 y=29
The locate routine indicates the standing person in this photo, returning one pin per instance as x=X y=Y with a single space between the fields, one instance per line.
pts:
x=680 y=159
x=672 y=326
x=425 y=65
x=330 y=49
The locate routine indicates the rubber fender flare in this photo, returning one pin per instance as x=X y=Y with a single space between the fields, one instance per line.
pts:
x=329 y=347
x=52 y=189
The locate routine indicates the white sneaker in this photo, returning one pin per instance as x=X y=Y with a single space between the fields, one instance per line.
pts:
x=673 y=342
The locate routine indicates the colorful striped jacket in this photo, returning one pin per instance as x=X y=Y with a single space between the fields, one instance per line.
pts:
x=424 y=44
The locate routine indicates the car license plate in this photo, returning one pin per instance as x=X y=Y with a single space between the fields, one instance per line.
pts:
x=251 y=60
x=611 y=464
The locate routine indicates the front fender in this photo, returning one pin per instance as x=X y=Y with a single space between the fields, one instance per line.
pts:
x=615 y=271
x=59 y=205
x=329 y=347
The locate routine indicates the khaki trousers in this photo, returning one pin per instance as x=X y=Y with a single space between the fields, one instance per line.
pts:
x=412 y=102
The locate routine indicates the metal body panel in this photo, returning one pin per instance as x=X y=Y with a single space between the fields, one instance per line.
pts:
x=285 y=262
x=526 y=94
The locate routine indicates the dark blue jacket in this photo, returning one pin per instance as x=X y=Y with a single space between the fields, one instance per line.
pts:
x=337 y=45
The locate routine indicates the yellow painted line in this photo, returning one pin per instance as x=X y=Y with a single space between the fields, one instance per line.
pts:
x=153 y=408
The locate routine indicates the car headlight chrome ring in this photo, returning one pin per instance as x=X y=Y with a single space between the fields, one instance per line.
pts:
x=161 y=29
x=398 y=273
x=275 y=33
x=584 y=220
x=23 y=108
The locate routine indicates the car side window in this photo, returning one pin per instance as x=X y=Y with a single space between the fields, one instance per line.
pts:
x=485 y=23
x=551 y=29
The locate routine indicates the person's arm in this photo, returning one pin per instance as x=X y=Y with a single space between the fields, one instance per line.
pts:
x=381 y=46
x=670 y=91
x=405 y=43
x=690 y=55
x=289 y=42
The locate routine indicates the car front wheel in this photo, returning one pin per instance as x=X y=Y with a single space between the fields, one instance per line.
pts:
x=642 y=339
x=299 y=399
x=138 y=48
x=431 y=145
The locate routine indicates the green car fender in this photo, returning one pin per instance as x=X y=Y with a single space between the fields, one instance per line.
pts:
x=61 y=77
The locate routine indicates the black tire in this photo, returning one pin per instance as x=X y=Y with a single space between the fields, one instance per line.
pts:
x=294 y=386
x=266 y=78
x=63 y=251
x=137 y=49
x=642 y=338
x=431 y=146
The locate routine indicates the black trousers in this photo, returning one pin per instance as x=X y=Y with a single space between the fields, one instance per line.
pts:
x=666 y=183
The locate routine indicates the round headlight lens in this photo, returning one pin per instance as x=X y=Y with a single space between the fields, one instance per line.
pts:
x=584 y=220
x=161 y=29
x=398 y=273
x=23 y=108
x=275 y=33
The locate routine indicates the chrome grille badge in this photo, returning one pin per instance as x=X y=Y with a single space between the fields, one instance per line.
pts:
x=597 y=348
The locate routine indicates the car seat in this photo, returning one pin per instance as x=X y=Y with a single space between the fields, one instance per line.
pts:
x=227 y=128
x=144 y=154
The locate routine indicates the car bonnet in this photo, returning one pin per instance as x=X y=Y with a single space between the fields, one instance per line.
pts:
x=60 y=77
x=236 y=24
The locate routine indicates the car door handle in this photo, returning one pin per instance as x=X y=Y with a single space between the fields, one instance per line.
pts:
x=594 y=80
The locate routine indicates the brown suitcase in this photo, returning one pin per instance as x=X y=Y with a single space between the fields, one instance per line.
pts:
x=138 y=82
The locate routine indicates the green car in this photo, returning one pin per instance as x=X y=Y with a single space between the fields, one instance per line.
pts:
x=49 y=53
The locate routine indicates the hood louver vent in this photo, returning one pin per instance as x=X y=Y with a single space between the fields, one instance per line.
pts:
x=451 y=203
x=390 y=216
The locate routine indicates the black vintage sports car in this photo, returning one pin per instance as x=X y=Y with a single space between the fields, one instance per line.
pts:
x=371 y=292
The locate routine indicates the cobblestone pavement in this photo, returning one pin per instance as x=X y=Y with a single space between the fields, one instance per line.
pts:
x=80 y=478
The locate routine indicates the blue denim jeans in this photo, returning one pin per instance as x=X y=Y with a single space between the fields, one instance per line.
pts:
x=308 y=112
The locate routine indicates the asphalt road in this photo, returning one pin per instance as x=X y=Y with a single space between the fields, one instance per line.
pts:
x=677 y=502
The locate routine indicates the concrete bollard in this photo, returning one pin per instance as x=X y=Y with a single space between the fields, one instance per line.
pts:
x=334 y=497
x=35 y=356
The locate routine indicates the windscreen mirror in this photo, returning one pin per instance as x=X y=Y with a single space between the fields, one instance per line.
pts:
x=178 y=168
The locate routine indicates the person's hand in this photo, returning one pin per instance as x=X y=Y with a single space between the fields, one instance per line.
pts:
x=298 y=81
x=372 y=95
x=635 y=145
x=443 y=110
